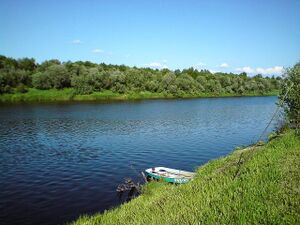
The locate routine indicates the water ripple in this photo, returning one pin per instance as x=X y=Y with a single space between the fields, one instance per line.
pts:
x=60 y=161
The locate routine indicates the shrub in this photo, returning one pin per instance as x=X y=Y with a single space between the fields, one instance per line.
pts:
x=292 y=98
x=41 y=80
x=82 y=84
x=21 y=88
x=59 y=76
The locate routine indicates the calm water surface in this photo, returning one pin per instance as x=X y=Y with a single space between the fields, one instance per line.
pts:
x=58 y=161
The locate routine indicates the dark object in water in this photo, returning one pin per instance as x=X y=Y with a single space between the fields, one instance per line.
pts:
x=129 y=186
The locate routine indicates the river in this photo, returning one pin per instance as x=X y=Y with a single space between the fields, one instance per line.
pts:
x=59 y=161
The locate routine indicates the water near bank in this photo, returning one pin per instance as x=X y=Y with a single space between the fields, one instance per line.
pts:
x=250 y=186
x=59 y=161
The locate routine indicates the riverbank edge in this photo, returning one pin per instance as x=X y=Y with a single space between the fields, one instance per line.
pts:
x=68 y=95
x=249 y=186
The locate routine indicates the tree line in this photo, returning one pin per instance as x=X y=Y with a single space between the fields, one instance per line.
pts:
x=17 y=75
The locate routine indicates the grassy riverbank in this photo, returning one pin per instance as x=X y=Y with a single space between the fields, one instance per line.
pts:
x=68 y=94
x=264 y=191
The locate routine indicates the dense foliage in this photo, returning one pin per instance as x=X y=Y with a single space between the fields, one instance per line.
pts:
x=291 y=95
x=87 y=77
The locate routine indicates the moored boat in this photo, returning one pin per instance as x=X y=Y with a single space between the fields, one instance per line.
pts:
x=169 y=175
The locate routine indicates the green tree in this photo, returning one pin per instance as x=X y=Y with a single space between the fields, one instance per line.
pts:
x=290 y=95
x=27 y=64
x=41 y=80
x=167 y=80
x=4 y=87
x=82 y=84
x=185 y=82
x=86 y=77
x=44 y=65
x=59 y=76
x=152 y=85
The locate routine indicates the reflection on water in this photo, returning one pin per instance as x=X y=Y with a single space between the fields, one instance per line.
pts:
x=59 y=161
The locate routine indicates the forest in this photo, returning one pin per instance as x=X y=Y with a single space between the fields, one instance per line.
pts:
x=19 y=75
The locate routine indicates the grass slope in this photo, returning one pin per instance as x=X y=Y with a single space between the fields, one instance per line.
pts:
x=68 y=94
x=265 y=191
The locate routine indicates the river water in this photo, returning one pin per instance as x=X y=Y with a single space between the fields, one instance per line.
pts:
x=59 y=161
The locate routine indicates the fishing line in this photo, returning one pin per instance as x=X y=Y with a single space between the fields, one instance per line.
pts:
x=275 y=113
x=240 y=162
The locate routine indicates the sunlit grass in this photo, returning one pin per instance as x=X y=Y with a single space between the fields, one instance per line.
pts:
x=69 y=94
x=266 y=191
x=35 y=95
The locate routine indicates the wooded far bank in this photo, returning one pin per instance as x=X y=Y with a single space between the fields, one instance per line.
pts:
x=19 y=76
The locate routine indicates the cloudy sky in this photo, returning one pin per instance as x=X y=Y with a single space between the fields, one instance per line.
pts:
x=254 y=36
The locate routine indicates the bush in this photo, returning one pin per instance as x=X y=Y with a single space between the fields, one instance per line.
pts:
x=82 y=84
x=119 y=87
x=59 y=76
x=21 y=88
x=41 y=80
x=6 y=89
x=152 y=86
x=292 y=99
x=185 y=82
x=88 y=77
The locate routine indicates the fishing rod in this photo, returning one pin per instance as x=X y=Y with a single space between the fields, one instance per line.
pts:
x=279 y=105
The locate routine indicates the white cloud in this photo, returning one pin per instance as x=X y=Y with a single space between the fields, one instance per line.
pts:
x=224 y=65
x=97 y=50
x=246 y=69
x=77 y=42
x=269 y=71
x=156 y=65
x=276 y=70
x=214 y=71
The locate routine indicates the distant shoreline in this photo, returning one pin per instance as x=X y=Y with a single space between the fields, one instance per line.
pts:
x=68 y=95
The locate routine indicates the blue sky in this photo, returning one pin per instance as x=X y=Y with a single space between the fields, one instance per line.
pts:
x=255 y=36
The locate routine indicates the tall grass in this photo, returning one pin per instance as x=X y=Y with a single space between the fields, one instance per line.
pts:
x=35 y=95
x=265 y=191
x=69 y=94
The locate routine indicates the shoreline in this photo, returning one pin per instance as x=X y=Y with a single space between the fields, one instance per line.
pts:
x=68 y=96
x=235 y=186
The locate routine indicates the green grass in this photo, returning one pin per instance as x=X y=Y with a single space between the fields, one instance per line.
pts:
x=35 y=95
x=68 y=94
x=265 y=191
